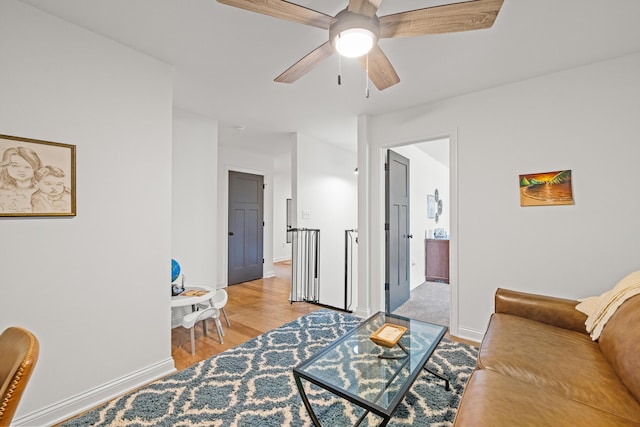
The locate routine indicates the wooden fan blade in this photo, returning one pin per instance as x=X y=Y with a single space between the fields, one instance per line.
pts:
x=284 y=10
x=364 y=7
x=381 y=72
x=450 y=18
x=305 y=65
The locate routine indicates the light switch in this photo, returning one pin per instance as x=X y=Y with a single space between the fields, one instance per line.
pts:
x=306 y=214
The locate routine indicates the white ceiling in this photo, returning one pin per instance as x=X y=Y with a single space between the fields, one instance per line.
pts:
x=225 y=59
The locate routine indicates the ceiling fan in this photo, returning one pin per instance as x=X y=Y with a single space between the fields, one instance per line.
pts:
x=360 y=24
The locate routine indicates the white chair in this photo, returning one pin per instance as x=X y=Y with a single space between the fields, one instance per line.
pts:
x=190 y=320
x=218 y=301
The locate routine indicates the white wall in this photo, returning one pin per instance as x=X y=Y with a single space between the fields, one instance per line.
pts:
x=281 y=192
x=327 y=187
x=435 y=175
x=247 y=162
x=80 y=283
x=583 y=119
x=195 y=197
x=426 y=174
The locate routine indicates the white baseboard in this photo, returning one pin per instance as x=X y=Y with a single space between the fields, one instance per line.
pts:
x=470 y=334
x=80 y=403
x=281 y=259
x=268 y=274
x=358 y=312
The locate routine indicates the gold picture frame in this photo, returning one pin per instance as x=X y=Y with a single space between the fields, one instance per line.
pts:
x=37 y=178
x=546 y=188
x=388 y=335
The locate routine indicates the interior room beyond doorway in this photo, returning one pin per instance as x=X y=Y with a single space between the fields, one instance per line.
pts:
x=430 y=225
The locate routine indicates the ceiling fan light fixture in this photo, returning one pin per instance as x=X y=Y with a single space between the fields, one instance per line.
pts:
x=354 y=42
x=363 y=15
x=354 y=35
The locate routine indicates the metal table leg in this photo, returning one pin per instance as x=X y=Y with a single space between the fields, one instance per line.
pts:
x=305 y=400
x=446 y=381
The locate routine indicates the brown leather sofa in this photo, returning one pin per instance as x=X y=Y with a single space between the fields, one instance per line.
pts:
x=537 y=366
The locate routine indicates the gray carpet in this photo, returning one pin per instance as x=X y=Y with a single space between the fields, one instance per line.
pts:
x=429 y=302
x=252 y=385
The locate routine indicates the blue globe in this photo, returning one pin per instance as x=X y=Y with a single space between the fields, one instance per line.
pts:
x=175 y=270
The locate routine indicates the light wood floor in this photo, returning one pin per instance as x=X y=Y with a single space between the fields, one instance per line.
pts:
x=253 y=308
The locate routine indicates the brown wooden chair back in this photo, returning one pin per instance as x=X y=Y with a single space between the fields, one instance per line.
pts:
x=19 y=351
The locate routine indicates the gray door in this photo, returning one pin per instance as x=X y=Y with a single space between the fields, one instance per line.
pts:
x=245 y=227
x=397 y=275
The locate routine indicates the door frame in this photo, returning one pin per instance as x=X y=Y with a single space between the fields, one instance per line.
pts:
x=224 y=248
x=376 y=300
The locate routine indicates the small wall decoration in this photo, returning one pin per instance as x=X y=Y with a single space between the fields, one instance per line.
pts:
x=434 y=205
x=37 y=178
x=431 y=206
x=546 y=189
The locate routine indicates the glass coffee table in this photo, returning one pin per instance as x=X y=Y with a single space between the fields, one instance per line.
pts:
x=373 y=377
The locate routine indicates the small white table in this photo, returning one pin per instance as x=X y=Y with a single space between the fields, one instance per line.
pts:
x=180 y=301
x=185 y=300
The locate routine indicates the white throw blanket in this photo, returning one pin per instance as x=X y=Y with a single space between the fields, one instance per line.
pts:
x=600 y=309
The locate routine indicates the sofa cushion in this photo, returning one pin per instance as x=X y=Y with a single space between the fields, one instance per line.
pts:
x=556 y=359
x=620 y=344
x=495 y=400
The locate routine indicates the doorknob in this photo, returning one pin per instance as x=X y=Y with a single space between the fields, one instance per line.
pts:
x=410 y=236
x=231 y=233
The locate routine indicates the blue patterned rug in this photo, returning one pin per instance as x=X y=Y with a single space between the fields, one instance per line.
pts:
x=252 y=385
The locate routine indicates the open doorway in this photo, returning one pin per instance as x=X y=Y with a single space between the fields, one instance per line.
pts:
x=430 y=219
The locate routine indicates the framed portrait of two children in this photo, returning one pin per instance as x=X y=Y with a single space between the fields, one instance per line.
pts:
x=37 y=178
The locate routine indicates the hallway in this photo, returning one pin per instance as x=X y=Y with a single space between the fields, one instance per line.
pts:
x=261 y=305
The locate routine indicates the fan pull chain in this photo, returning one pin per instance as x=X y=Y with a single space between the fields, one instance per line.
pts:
x=339 y=65
x=366 y=93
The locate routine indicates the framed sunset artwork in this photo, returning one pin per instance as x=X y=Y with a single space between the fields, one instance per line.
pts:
x=546 y=189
